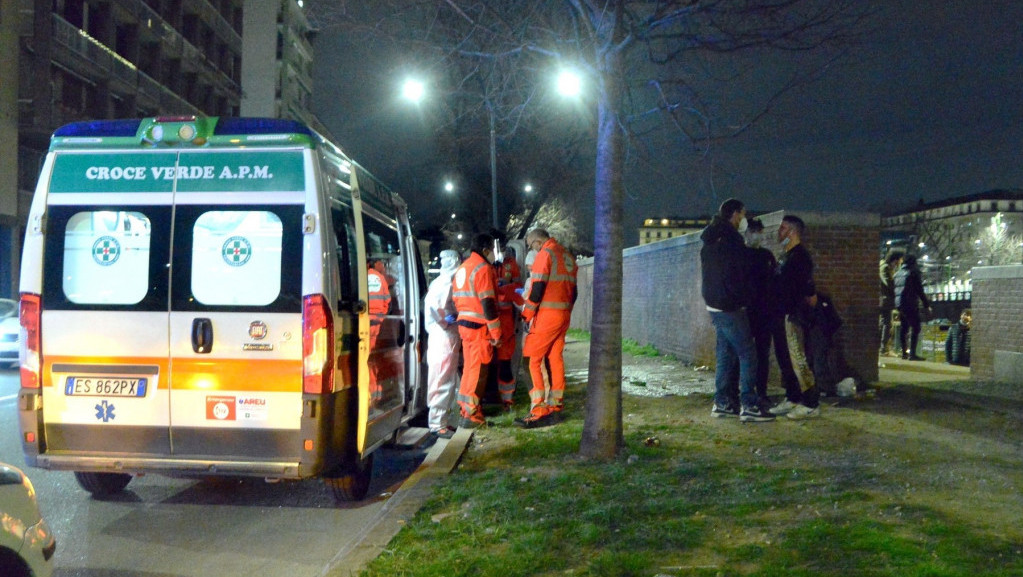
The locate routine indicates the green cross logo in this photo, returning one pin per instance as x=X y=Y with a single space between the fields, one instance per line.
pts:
x=236 y=251
x=106 y=250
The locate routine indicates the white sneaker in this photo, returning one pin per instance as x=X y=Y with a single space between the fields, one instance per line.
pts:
x=783 y=407
x=846 y=387
x=803 y=412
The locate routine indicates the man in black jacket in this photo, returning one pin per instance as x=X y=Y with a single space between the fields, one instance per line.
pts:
x=909 y=294
x=766 y=320
x=724 y=261
x=797 y=294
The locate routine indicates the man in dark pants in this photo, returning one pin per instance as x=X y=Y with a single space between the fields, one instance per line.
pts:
x=724 y=261
x=797 y=294
x=767 y=322
x=909 y=291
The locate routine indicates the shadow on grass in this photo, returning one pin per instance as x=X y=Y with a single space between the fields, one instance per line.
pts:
x=940 y=405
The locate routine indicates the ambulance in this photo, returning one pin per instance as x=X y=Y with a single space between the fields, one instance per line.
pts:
x=196 y=301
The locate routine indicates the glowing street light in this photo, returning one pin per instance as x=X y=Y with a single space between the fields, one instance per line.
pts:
x=569 y=83
x=528 y=188
x=449 y=186
x=413 y=90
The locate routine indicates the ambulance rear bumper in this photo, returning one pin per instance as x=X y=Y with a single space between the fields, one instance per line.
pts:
x=171 y=467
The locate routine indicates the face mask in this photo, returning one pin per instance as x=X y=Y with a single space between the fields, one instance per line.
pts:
x=785 y=241
x=754 y=240
x=743 y=225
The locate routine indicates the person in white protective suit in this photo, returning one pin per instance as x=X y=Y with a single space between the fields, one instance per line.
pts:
x=443 y=347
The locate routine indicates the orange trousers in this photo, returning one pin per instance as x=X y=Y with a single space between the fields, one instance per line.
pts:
x=545 y=341
x=477 y=352
x=376 y=392
x=505 y=356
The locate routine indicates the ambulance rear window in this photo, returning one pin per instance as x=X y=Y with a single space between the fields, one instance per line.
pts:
x=236 y=258
x=106 y=257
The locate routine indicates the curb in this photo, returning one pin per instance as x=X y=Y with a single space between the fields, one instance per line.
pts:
x=893 y=364
x=400 y=508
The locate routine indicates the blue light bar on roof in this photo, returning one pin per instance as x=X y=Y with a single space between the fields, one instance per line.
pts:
x=97 y=128
x=242 y=126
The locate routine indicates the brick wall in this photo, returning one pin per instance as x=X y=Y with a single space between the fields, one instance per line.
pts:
x=662 y=306
x=997 y=341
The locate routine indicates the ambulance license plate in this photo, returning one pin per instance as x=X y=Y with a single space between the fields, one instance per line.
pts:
x=106 y=386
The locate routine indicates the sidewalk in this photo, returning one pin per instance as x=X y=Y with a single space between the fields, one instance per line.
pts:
x=442 y=458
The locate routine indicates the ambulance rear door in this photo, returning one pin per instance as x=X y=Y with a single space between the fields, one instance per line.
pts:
x=104 y=319
x=236 y=297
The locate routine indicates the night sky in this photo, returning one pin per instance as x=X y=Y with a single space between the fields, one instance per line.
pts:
x=930 y=107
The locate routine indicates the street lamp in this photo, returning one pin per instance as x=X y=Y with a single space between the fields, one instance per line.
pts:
x=528 y=188
x=413 y=90
x=569 y=83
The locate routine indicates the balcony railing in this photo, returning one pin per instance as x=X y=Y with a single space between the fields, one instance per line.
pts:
x=212 y=17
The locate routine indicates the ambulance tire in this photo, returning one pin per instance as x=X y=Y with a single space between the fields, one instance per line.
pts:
x=351 y=483
x=103 y=484
x=13 y=566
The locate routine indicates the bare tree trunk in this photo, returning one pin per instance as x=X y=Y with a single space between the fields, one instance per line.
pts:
x=602 y=431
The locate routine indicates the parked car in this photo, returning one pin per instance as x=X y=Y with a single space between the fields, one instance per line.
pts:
x=26 y=542
x=10 y=331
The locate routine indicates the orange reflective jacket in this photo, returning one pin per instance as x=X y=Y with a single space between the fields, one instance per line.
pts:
x=555 y=267
x=509 y=272
x=379 y=295
x=472 y=283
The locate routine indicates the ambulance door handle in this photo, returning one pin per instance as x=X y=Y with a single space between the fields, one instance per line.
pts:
x=202 y=335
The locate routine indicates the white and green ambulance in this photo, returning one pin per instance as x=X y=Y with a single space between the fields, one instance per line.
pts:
x=194 y=302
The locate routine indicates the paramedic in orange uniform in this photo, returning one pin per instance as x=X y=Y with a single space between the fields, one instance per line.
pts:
x=379 y=305
x=549 y=294
x=509 y=283
x=474 y=290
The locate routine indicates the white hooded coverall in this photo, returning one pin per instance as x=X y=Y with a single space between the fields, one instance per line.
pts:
x=444 y=344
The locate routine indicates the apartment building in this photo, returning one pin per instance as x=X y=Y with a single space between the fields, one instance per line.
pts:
x=656 y=229
x=97 y=59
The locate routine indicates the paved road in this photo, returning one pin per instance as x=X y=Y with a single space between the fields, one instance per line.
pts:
x=163 y=527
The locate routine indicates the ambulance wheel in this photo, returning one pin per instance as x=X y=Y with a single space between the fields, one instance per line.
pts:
x=102 y=484
x=13 y=566
x=352 y=482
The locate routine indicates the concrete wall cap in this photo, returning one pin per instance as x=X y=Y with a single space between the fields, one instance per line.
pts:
x=853 y=219
x=982 y=273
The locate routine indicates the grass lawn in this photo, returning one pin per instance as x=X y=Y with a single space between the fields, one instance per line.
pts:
x=908 y=483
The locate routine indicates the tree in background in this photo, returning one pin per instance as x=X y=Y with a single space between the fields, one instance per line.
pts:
x=950 y=249
x=651 y=67
x=994 y=246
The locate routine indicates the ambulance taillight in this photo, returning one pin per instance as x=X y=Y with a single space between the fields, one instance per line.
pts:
x=317 y=345
x=31 y=349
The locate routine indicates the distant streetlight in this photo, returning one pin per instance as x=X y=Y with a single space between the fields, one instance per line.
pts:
x=452 y=216
x=528 y=188
x=449 y=186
